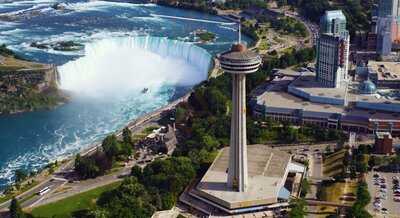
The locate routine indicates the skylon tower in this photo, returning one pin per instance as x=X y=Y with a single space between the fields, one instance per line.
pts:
x=239 y=61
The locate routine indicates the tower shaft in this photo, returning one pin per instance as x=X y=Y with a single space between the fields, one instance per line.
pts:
x=237 y=171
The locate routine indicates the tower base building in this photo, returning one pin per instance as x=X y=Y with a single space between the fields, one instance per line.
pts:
x=272 y=179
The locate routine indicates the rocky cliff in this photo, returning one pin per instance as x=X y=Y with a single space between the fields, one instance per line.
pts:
x=27 y=86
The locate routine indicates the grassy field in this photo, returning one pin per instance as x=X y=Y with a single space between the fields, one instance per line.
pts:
x=335 y=191
x=333 y=164
x=64 y=208
x=13 y=64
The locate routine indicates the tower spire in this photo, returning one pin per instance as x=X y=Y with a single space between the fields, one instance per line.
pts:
x=240 y=33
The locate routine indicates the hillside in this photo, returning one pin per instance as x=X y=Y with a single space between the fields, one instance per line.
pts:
x=25 y=85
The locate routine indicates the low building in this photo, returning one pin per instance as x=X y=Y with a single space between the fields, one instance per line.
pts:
x=273 y=179
x=161 y=140
x=383 y=143
x=298 y=99
x=385 y=74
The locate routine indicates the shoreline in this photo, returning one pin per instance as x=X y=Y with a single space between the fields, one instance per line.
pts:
x=141 y=120
x=149 y=117
x=66 y=161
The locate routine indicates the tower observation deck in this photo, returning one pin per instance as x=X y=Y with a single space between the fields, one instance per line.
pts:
x=239 y=61
x=234 y=184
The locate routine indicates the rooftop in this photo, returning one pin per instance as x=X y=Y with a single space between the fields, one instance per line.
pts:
x=279 y=100
x=308 y=84
x=385 y=70
x=381 y=96
x=267 y=168
x=382 y=135
x=334 y=14
x=239 y=52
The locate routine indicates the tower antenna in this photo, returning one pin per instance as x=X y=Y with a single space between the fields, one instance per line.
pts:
x=240 y=32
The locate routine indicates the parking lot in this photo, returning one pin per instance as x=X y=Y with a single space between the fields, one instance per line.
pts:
x=384 y=189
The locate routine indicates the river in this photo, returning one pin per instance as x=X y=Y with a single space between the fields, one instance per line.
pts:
x=126 y=48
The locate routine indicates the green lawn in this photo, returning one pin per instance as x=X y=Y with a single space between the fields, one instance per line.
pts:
x=64 y=208
x=334 y=192
x=333 y=164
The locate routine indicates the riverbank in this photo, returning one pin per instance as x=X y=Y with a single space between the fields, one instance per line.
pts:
x=67 y=163
x=48 y=176
x=136 y=123
x=27 y=86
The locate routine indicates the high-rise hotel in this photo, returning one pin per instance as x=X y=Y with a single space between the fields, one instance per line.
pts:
x=333 y=50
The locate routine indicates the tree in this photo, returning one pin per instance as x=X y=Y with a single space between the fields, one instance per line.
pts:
x=111 y=146
x=114 y=149
x=363 y=199
x=129 y=200
x=136 y=172
x=168 y=200
x=16 y=210
x=86 y=167
x=180 y=114
x=20 y=175
x=127 y=136
x=217 y=101
x=298 y=208
x=305 y=187
x=170 y=175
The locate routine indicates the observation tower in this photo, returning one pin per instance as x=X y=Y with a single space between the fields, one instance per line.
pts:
x=234 y=184
x=239 y=61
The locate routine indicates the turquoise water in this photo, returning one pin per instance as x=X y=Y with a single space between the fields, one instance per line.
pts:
x=127 y=48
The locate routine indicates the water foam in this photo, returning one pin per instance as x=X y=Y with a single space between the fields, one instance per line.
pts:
x=102 y=5
x=121 y=65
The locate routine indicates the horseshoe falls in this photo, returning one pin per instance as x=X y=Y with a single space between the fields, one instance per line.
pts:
x=126 y=49
x=117 y=67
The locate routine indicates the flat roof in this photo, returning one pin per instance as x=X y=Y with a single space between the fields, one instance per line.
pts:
x=308 y=83
x=382 y=135
x=280 y=100
x=267 y=168
x=275 y=97
x=286 y=100
x=387 y=71
x=333 y=14
x=379 y=97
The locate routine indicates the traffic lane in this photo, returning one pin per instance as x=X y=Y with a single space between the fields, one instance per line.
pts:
x=317 y=171
x=31 y=192
x=33 y=196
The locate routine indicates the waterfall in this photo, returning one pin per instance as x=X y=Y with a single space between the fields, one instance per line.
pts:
x=125 y=64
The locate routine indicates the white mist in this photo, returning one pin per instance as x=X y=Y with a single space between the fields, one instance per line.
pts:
x=121 y=66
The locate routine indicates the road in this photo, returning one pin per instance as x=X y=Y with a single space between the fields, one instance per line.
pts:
x=31 y=197
x=317 y=173
x=59 y=179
